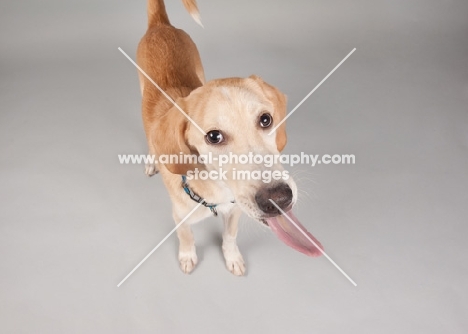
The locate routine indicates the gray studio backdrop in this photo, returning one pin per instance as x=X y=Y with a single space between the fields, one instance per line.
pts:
x=74 y=222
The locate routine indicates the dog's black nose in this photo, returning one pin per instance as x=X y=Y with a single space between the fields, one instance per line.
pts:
x=280 y=194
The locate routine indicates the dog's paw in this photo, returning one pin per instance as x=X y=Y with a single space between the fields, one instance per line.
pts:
x=234 y=260
x=188 y=261
x=151 y=169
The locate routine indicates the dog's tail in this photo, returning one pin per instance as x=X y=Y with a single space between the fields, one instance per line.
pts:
x=191 y=6
x=157 y=12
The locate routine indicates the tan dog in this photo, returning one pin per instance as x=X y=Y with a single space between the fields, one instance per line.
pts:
x=236 y=114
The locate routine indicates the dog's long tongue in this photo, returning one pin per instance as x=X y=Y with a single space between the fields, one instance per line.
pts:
x=291 y=236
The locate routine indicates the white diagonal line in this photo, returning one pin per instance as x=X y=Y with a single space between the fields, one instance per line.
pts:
x=313 y=242
x=163 y=92
x=313 y=90
x=160 y=243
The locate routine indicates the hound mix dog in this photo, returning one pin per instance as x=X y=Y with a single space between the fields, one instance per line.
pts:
x=236 y=115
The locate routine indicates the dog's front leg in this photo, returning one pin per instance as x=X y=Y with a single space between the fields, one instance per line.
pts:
x=187 y=253
x=232 y=255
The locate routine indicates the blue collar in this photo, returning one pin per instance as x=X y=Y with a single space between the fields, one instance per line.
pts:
x=197 y=198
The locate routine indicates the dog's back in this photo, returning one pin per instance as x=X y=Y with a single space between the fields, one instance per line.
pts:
x=169 y=57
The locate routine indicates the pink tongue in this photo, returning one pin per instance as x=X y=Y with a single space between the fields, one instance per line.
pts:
x=291 y=236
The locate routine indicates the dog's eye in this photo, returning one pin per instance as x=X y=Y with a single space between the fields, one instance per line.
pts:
x=214 y=137
x=265 y=120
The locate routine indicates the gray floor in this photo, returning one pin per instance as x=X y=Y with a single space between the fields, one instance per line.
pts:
x=74 y=222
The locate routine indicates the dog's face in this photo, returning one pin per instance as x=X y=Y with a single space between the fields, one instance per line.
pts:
x=237 y=116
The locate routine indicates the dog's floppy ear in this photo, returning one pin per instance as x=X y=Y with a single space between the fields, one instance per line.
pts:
x=168 y=137
x=279 y=102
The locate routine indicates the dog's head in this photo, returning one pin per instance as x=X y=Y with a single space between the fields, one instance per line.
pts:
x=237 y=115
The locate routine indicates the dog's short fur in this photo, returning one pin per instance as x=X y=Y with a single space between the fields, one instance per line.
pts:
x=233 y=106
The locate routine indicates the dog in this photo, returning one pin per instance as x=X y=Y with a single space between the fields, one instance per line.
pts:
x=234 y=115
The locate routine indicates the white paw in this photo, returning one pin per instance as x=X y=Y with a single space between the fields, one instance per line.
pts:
x=151 y=169
x=188 y=261
x=234 y=260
